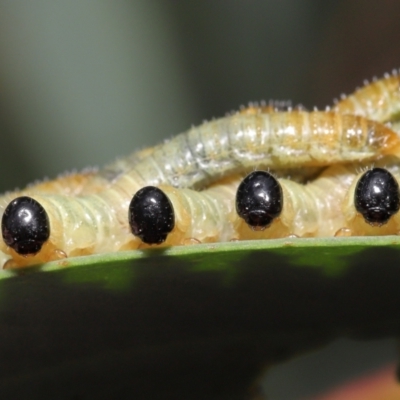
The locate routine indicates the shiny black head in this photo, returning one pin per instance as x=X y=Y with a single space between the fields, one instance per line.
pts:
x=25 y=226
x=377 y=196
x=151 y=215
x=259 y=199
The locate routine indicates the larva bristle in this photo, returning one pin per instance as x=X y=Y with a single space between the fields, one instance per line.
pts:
x=378 y=100
x=273 y=136
x=300 y=107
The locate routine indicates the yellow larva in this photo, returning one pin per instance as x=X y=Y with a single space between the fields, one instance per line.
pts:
x=379 y=100
x=95 y=219
x=311 y=210
x=97 y=223
x=381 y=194
x=281 y=140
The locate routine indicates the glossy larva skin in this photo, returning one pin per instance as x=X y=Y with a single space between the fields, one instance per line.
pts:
x=311 y=210
x=88 y=211
x=379 y=100
x=281 y=140
x=98 y=223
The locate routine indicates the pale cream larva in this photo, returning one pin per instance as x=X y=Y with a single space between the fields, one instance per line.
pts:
x=282 y=140
x=195 y=159
x=89 y=181
x=98 y=223
x=372 y=203
x=311 y=210
x=378 y=100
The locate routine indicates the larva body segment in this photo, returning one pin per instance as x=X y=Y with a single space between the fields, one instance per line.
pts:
x=279 y=140
x=203 y=217
x=87 y=211
x=98 y=223
x=78 y=226
x=71 y=184
x=379 y=100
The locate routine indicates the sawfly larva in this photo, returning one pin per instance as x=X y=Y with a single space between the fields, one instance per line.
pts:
x=241 y=143
x=372 y=203
x=293 y=209
x=379 y=100
x=45 y=227
x=87 y=213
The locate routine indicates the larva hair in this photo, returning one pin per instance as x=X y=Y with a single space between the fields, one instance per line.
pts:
x=88 y=213
x=240 y=143
x=379 y=100
x=96 y=223
x=99 y=223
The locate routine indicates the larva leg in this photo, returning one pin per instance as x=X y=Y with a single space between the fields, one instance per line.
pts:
x=379 y=100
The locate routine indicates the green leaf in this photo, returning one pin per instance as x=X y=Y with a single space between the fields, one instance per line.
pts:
x=189 y=322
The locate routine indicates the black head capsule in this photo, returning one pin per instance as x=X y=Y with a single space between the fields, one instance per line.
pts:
x=259 y=199
x=151 y=215
x=377 y=196
x=25 y=225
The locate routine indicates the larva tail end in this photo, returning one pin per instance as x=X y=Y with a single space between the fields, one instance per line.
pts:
x=382 y=139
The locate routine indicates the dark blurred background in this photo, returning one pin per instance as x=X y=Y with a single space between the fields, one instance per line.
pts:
x=84 y=82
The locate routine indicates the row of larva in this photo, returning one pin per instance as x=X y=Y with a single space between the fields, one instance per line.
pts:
x=92 y=217
x=237 y=209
